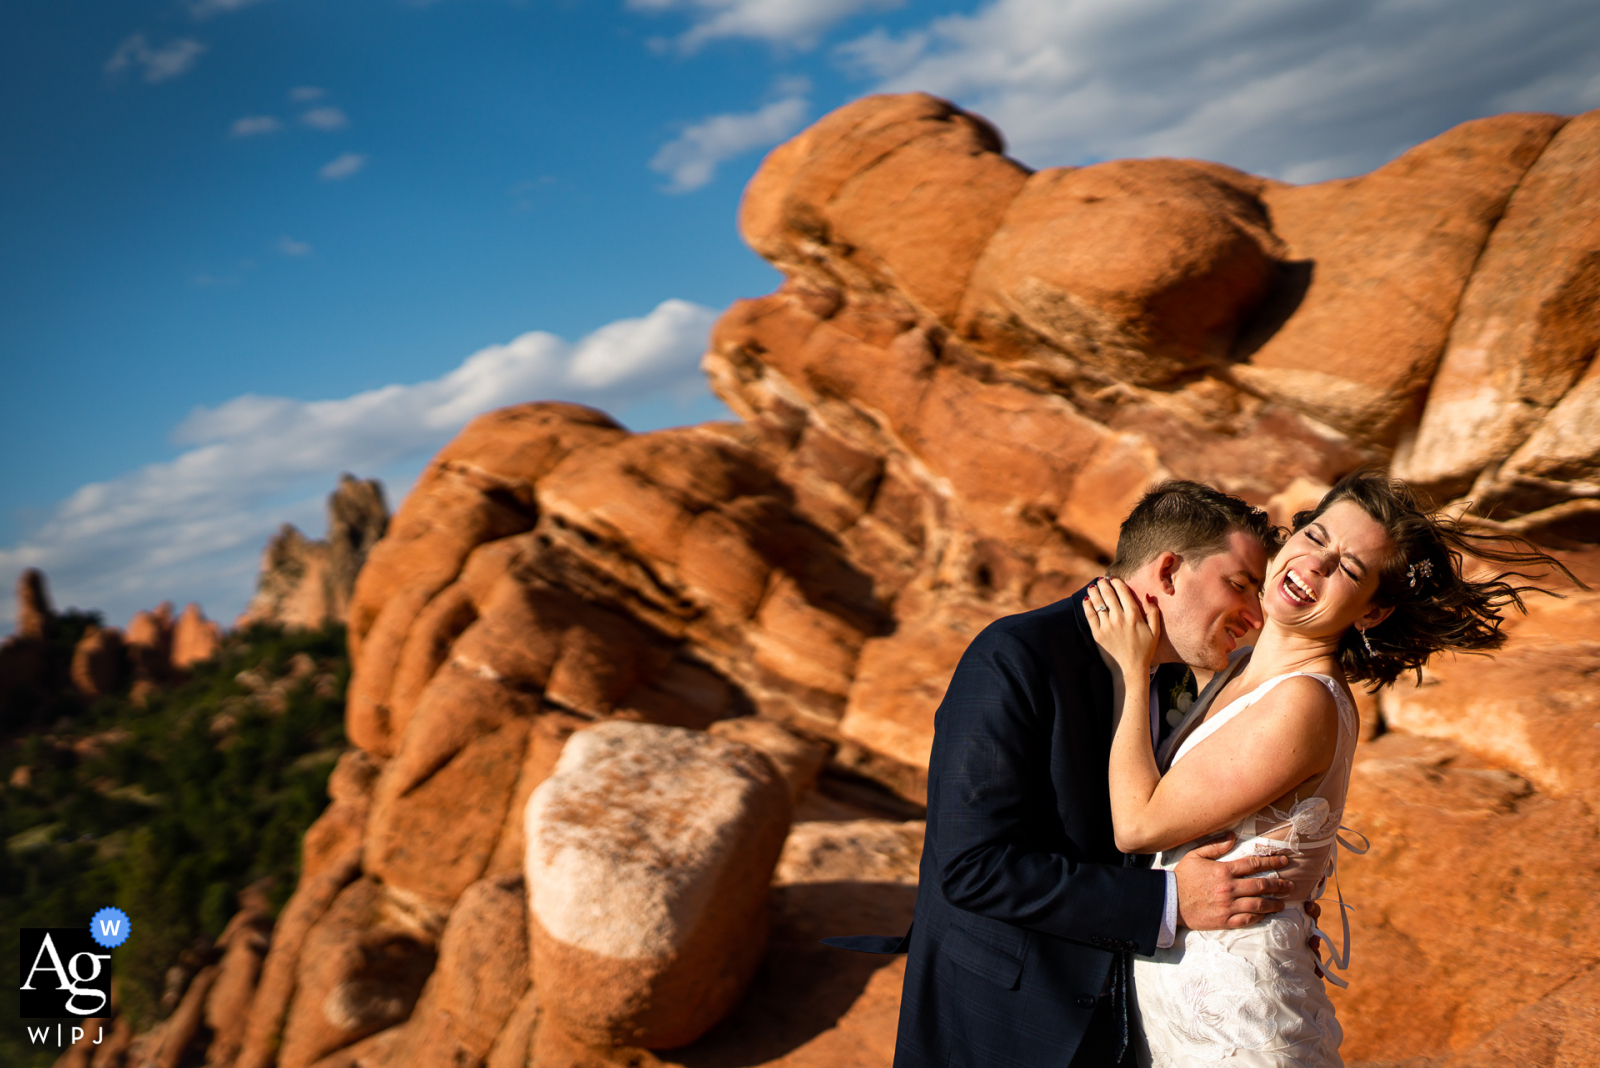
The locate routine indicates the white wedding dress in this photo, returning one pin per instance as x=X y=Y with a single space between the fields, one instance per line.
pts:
x=1250 y=997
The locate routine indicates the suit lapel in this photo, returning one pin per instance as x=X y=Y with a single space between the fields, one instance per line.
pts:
x=1197 y=712
x=1100 y=684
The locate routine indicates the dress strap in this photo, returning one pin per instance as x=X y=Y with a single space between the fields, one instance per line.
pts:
x=1246 y=700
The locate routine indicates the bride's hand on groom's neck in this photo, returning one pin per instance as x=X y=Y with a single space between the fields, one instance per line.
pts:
x=1126 y=629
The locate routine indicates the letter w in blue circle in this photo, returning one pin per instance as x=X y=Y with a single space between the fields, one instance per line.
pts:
x=110 y=927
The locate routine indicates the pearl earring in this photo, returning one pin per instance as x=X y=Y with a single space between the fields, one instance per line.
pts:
x=1366 y=641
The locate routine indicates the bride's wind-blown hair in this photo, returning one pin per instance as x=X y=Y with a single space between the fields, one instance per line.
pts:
x=1437 y=605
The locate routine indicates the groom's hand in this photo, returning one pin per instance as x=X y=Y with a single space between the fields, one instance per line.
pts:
x=1235 y=893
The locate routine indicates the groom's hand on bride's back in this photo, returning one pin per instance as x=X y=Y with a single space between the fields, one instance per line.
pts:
x=1235 y=893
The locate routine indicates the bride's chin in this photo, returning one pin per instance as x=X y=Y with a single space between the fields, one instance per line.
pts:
x=1273 y=608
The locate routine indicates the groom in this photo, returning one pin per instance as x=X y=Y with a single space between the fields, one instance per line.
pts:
x=1026 y=911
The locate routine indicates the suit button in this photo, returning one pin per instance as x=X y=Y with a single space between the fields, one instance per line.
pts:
x=1085 y=1001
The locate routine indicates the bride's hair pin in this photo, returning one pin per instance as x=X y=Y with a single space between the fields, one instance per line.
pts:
x=1366 y=641
x=1421 y=569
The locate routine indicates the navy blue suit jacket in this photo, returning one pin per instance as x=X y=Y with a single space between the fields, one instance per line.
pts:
x=1024 y=898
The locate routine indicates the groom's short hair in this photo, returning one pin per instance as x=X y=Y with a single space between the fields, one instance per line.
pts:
x=1190 y=519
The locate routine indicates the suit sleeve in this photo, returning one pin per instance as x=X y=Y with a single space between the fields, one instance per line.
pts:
x=991 y=753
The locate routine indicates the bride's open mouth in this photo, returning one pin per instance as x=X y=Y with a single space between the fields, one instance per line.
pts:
x=1296 y=590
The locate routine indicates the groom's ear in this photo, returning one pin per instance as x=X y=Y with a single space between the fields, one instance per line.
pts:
x=1166 y=570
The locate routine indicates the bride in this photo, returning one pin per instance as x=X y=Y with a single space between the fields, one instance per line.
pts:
x=1368 y=586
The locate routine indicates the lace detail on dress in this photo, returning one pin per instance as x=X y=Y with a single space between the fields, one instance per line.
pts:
x=1224 y=1011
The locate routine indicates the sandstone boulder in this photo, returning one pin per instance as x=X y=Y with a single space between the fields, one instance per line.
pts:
x=331 y=860
x=1528 y=323
x=181 y=1032
x=1557 y=464
x=479 y=489
x=1562 y=1028
x=900 y=683
x=547 y=736
x=798 y=759
x=361 y=969
x=1531 y=711
x=1458 y=901
x=1375 y=270
x=649 y=855
x=441 y=803
x=480 y=978
x=339 y=831
x=812 y=1006
x=851 y=851
x=514 y=1043
x=244 y=946
x=1141 y=269
x=830 y=202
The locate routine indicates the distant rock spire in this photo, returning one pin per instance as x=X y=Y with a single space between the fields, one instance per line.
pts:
x=358 y=516
x=34 y=614
x=306 y=583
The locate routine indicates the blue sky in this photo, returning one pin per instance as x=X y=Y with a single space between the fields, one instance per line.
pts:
x=248 y=244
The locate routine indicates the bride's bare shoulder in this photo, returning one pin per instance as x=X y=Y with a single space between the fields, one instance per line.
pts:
x=1306 y=698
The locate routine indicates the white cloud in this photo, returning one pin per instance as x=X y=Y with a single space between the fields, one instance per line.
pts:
x=691 y=158
x=160 y=64
x=252 y=125
x=326 y=118
x=1303 y=91
x=791 y=23
x=342 y=167
x=290 y=247
x=301 y=94
x=194 y=525
x=204 y=9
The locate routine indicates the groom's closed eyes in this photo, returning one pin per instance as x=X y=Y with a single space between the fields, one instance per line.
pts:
x=1246 y=582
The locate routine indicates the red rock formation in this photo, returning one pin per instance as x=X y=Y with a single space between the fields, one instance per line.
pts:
x=148 y=640
x=23 y=667
x=34 y=614
x=99 y=662
x=306 y=584
x=1527 y=329
x=1387 y=256
x=649 y=855
x=227 y=1007
x=194 y=638
x=969 y=375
